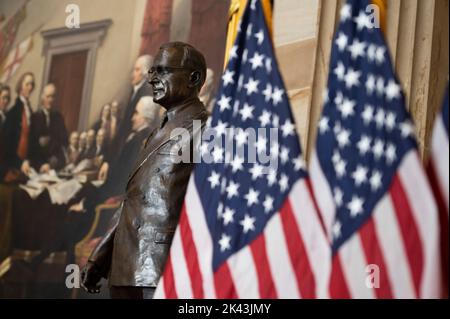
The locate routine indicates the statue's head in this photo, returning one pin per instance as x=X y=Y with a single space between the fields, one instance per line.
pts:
x=177 y=74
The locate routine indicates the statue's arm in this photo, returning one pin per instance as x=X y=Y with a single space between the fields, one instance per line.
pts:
x=99 y=262
x=101 y=256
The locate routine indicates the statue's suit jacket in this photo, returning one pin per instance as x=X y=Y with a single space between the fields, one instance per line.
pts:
x=134 y=252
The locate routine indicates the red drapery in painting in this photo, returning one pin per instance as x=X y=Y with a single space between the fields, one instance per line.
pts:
x=208 y=31
x=156 y=26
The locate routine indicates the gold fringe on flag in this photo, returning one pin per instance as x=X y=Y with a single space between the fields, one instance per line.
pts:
x=235 y=13
x=382 y=4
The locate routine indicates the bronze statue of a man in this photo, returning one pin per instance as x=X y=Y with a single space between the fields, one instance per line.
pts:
x=133 y=254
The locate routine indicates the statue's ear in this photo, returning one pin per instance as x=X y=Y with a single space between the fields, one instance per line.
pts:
x=194 y=79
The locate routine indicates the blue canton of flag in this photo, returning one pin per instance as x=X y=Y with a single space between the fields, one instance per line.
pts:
x=365 y=129
x=239 y=197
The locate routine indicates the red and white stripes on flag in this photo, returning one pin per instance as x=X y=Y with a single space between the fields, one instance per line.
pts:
x=439 y=160
x=288 y=260
x=401 y=238
x=438 y=172
x=370 y=185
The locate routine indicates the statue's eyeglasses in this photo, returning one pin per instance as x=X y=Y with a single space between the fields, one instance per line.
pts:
x=162 y=70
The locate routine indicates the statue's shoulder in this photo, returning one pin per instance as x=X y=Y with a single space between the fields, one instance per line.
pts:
x=202 y=113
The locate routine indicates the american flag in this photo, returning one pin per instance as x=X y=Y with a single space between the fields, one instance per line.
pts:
x=440 y=155
x=439 y=177
x=245 y=232
x=374 y=197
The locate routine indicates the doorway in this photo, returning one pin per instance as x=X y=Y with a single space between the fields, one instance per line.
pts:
x=67 y=72
x=70 y=58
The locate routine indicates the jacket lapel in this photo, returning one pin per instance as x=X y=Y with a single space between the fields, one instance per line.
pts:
x=162 y=137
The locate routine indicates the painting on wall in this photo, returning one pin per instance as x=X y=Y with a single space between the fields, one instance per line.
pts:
x=78 y=139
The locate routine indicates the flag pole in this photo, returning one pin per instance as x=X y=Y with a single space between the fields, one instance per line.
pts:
x=237 y=8
x=382 y=5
